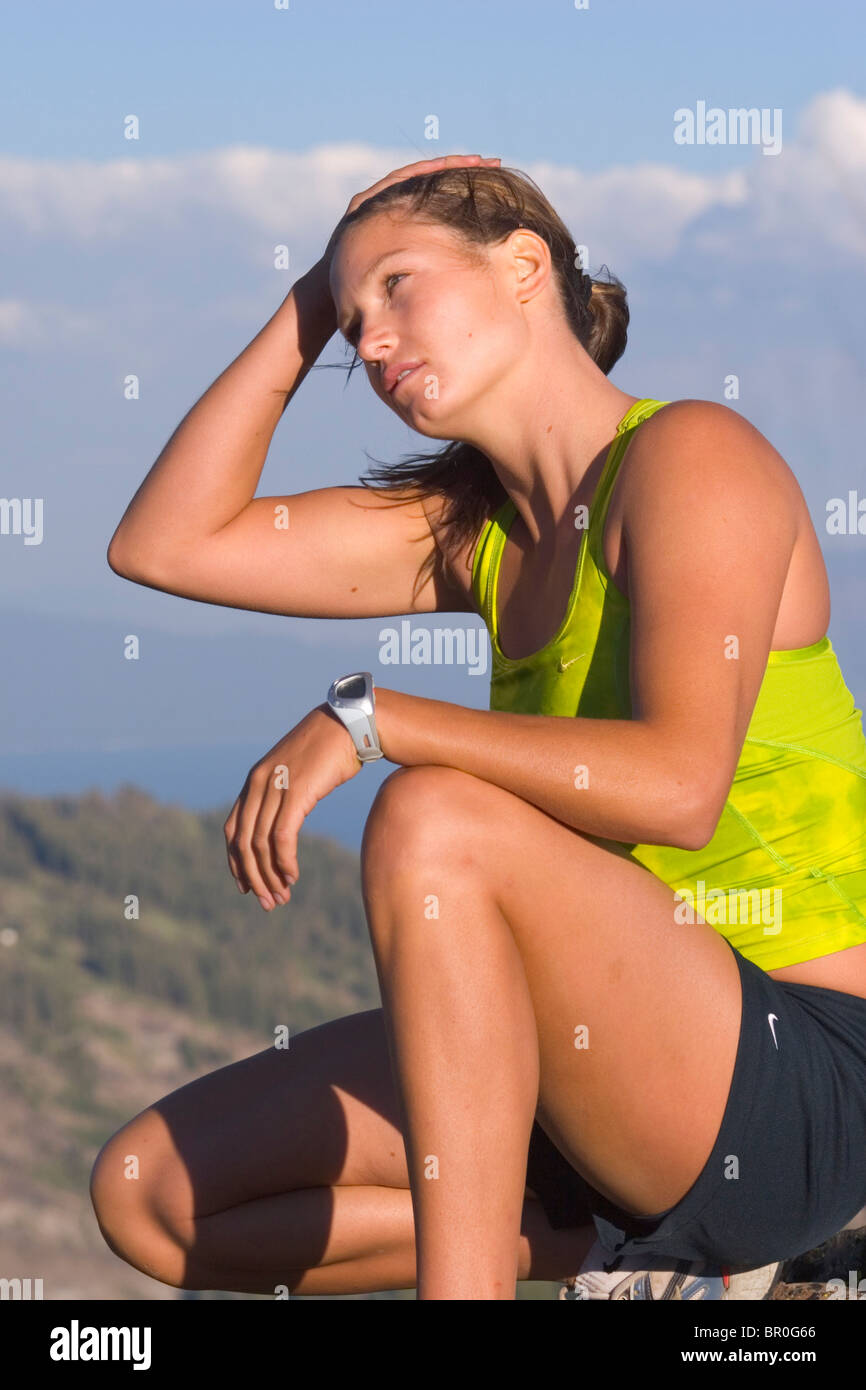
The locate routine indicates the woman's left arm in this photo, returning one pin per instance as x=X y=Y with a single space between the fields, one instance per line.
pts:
x=709 y=523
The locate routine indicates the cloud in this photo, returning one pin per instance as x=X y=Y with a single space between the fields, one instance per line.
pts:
x=804 y=206
x=808 y=202
x=272 y=189
x=635 y=213
x=99 y=203
x=24 y=324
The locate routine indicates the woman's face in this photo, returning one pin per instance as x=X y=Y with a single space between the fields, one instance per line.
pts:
x=409 y=294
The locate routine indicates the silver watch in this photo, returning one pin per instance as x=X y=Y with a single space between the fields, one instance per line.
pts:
x=353 y=702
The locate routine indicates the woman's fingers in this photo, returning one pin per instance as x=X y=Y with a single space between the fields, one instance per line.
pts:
x=246 y=856
x=263 y=827
x=235 y=866
x=284 y=846
x=408 y=170
x=418 y=167
x=265 y=804
x=452 y=159
x=275 y=843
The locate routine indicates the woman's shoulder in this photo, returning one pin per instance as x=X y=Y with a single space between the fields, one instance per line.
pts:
x=698 y=443
x=694 y=416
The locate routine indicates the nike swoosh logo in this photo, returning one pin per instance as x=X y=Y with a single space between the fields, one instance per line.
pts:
x=564 y=665
x=770 y=1018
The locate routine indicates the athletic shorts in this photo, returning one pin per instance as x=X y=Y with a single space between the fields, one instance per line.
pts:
x=788 y=1168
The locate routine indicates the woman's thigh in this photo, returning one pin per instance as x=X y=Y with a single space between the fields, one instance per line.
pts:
x=322 y=1112
x=638 y=1016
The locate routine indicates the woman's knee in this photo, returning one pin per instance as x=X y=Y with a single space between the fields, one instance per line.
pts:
x=127 y=1192
x=425 y=814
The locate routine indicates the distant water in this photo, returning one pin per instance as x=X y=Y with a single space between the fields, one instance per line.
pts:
x=200 y=778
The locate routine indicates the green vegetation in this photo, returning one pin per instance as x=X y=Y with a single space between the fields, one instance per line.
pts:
x=69 y=868
x=102 y=1011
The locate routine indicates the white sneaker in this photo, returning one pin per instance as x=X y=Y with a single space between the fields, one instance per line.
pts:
x=595 y=1279
x=664 y=1278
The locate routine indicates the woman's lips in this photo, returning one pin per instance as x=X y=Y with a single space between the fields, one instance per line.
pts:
x=396 y=387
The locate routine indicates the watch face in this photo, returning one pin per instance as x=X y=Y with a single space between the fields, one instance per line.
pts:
x=352 y=688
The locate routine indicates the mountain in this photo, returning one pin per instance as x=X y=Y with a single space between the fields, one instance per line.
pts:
x=102 y=1012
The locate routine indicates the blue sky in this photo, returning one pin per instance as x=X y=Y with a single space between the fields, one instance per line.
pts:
x=256 y=125
x=590 y=87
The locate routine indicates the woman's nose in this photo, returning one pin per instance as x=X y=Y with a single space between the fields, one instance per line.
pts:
x=374 y=362
x=374 y=343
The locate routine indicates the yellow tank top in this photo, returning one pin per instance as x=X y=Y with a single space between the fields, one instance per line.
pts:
x=784 y=876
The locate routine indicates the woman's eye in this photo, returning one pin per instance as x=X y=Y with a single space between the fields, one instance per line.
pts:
x=352 y=336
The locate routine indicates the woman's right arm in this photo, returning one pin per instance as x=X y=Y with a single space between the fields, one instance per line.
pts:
x=195 y=527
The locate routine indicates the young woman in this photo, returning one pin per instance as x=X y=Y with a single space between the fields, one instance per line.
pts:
x=617 y=918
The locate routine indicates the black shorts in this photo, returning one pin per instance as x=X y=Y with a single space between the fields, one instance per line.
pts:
x=788 y=1168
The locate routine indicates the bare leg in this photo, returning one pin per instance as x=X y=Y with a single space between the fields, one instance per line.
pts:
x=285 y=1168
x=499 y=933
x=462 y=1034
x=273 y=1242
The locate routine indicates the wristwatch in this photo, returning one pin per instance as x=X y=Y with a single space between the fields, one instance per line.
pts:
x=352 y=700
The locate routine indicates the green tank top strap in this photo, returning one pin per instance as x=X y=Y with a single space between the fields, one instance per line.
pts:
x=488 y=550
x=640 y=411
x=485 y=566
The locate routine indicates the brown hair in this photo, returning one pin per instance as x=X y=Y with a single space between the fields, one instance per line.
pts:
x=482 y=206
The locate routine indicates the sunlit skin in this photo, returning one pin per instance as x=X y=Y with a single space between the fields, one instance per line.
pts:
x=511 y=377
x=540 y=927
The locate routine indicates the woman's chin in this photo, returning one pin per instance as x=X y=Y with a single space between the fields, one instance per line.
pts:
x=431 y=429
x=425 y=421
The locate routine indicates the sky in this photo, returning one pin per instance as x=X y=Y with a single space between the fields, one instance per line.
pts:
x=254 y=123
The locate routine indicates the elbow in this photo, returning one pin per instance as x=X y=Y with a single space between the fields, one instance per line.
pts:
x=114 y=559
x=124 y=564
x=118 y=561
x=699 y=826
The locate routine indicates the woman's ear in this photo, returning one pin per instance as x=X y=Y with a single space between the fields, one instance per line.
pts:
x=529 y=259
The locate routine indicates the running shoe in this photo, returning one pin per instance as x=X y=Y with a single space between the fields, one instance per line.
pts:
x=666 y=1278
